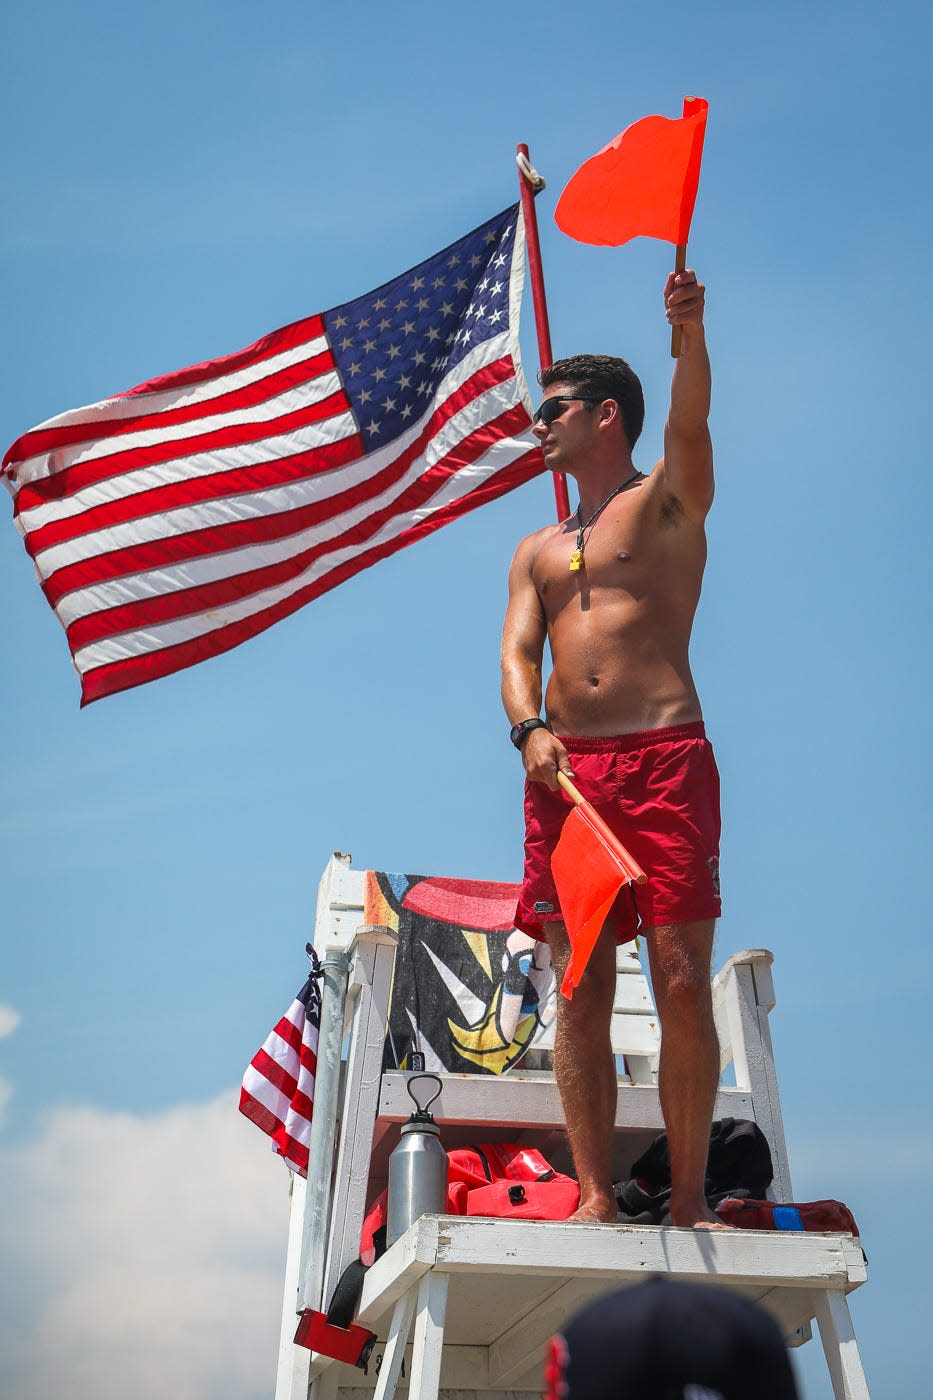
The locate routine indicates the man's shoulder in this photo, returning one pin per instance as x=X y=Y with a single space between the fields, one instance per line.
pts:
x=529 y=547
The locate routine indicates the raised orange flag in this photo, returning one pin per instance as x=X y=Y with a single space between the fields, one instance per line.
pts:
x=644 y=183
x=590 y=865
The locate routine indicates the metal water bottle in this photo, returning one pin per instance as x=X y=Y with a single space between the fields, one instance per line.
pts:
x=417 y=1168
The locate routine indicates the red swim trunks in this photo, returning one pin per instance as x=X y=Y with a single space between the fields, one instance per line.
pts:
x=659 y=792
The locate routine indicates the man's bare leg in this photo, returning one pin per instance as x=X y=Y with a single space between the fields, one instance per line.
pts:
x=681 y=956
x=585 y=1070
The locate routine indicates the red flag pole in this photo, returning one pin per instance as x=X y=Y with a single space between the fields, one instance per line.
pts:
x=530 y=184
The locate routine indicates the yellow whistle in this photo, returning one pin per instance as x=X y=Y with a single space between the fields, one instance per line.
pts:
x=576 y=561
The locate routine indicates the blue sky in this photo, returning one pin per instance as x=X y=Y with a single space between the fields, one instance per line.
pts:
x=182 y=179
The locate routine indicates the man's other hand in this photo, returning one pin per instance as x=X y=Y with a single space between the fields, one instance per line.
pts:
x=683 y=298
x=543 y=755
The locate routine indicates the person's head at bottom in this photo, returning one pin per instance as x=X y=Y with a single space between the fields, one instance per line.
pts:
x=669 y=1340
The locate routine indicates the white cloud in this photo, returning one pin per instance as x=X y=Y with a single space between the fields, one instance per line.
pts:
x=149 y=1256
x=9 y=1020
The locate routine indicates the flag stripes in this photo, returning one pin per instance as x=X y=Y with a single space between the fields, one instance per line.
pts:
x=277 y=1092
x=177 y=520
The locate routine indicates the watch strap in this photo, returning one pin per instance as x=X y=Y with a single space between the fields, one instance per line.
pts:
x=519 y=732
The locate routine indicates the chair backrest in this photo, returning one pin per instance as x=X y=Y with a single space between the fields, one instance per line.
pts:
x=473 y=994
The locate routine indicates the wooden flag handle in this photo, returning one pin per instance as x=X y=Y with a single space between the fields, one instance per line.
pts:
x=569 y=788
x=633 y=869
x=677 y=334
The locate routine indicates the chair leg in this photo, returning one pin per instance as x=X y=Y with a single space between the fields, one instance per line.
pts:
x=394 y=1352
x=839 y=1345
x=325 y=1387
x=429 y=1337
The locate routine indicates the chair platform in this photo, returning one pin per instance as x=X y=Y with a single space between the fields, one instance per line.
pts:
x=507 y=1285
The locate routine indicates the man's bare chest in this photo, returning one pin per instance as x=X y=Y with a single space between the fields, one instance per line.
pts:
x=619 y=552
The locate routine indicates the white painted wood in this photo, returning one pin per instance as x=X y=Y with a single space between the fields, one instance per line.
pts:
x=292 y=1371
x=373 y=964
x=521 y=1346
x=534 y=1101
x=633 y=995
x=394 y=1353
x=325 y=1387
x=551 y=1267
x=467 y=1243
x=429 y=1337
x=735 y=1000
x=839 y=1345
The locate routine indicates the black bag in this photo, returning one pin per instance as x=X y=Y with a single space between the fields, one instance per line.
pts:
x=739 y=1165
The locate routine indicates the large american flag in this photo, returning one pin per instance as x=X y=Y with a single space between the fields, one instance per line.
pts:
x=176 y=520
x=278 y=1086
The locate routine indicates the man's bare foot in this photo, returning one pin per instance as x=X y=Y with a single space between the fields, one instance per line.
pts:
x=698 y=1217
x=596 y=1210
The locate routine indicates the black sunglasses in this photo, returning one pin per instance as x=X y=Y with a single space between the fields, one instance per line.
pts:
x=551 y=409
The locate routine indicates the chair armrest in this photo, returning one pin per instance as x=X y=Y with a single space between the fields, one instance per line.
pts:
x=759 y=990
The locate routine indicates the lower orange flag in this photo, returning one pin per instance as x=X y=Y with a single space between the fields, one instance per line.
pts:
x=644 y=183
x=590 y=865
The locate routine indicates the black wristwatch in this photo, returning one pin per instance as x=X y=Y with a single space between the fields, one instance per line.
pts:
x=519 y=732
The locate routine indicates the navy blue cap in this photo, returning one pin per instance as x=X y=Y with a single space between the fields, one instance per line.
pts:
x=665 y=1339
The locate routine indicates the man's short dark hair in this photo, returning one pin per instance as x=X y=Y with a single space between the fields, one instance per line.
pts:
x=602 y=377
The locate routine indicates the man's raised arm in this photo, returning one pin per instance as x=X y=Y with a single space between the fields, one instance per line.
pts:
x=523 y=636
x=688 y=449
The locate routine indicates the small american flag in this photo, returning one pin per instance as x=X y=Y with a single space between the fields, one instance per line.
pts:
x=278 y=1086
x=176 y=520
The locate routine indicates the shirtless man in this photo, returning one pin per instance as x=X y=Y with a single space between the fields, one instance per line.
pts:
x=613 y=590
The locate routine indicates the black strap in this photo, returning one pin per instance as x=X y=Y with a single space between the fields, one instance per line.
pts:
x=346 y=1299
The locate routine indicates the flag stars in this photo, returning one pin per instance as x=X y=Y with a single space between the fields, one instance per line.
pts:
x=401 y=304
x=373 y=425
x=422 y=304
x=461 y=284
x=446 y=308
x=408 y=328
x=384 y=324
x=379 y=375
x=363 y=323
x=365 y=396
x=394 y=352
x=496 y=288
x=388 y=403
x=354 y=368
x=380 y=304
x=340 y=322
x=500 y=261
x=475 y=260
x=433 y=333
x=404 y=382
x=438 y=282
x=406 y=411
x=368 y=347
x=416 y=284
x=420 y=357
x=490 y=237
x=496 y=316
x=346 y=343
x=453 y=261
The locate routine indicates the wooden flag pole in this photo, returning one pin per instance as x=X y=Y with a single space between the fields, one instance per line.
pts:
x=677 y=332
x=625 y=858
x=530 y=183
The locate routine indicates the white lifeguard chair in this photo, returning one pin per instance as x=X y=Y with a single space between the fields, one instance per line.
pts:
x=463 y=1306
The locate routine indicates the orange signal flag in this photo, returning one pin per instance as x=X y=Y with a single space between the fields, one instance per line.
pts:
x=590 y=865
x=644 y=183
